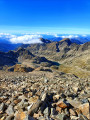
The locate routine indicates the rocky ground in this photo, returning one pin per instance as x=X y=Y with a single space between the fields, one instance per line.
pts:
x=41 y=95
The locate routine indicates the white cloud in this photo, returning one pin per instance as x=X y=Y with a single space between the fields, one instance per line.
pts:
x=26 y=39
x=6 y=35
x=76 y=36
x=84 y=35
x=56 y=35
x=70 y=36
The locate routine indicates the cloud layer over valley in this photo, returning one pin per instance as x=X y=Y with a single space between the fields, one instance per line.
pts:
x=25 y=39
x=35 y=38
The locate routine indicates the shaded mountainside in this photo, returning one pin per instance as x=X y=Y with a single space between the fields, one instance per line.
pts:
x=4 y=47
x=11 y=57
x=23 y=60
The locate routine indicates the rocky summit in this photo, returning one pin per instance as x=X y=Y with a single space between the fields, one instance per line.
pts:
x=47 y=81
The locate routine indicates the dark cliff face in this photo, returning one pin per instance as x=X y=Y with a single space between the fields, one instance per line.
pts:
x=11 y=57
x=7 y=58
x=85 y=46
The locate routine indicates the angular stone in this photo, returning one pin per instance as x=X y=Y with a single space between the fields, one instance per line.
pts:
x=61 y=104
x=74 y=118
x=62 y=117
x=34 y=108
x=72 y=112
x=56 y=97
x=17 y=101
x=29 y=107
x=33 y=99
x=45 y=80
x=43 y=96
x=36 y=115
x=75 y=88
x=20 y=115
x=58 y=109
x=10 y=117
x=10 y=110
x=41 y=118
x=22 y=104
x=3 y=118
x=46 y=112
x=84 y=108
x=2 y=107
x=82 y=117
x=53 y=112
x=74 y=103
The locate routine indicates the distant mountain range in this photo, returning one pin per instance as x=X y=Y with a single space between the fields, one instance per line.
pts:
x=6 y=45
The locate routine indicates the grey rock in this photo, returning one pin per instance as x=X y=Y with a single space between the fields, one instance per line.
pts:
x=53 y=112
x=45 y=80
x=74 y=103
x=42 y=118
x=82 y=117
x=34 y=108
x=10 y=110
x=43 y=96
x=10 y=117
x=2 y=107
x=46 y=112
x=74 y=118
x=60 y=116
x=84 y=100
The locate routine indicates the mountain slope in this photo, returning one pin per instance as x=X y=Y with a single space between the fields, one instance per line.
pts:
x=72 y=57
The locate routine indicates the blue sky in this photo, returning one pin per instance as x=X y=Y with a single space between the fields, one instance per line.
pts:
x=55 y=16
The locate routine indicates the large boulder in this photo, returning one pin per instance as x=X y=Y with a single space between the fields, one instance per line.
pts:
x=22 y=68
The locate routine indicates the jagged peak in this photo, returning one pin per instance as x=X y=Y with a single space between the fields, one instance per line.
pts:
x=66 y=40
x=45 y=40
